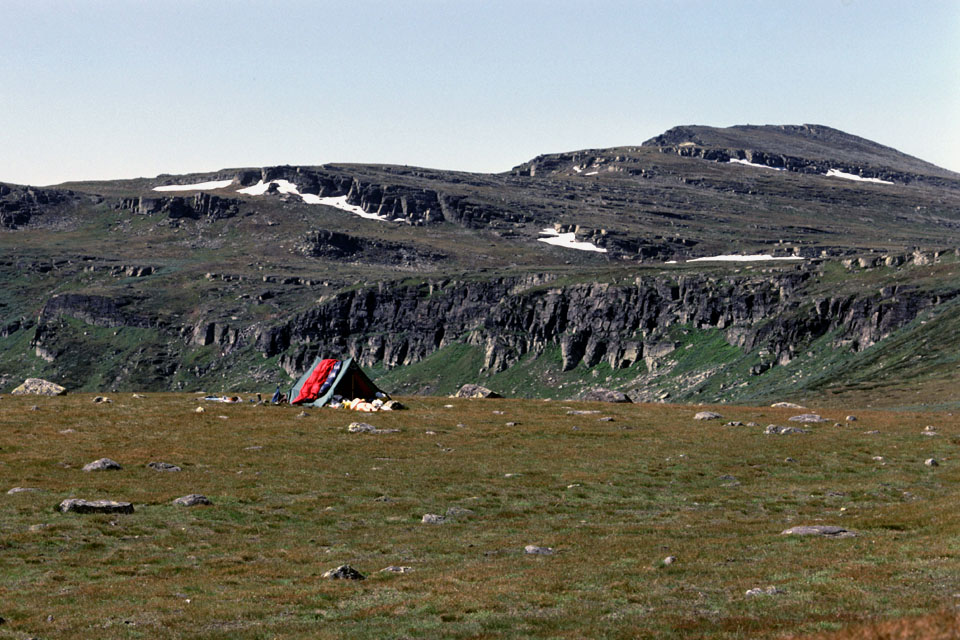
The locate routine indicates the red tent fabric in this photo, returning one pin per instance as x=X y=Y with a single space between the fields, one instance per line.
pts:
x=311 y=388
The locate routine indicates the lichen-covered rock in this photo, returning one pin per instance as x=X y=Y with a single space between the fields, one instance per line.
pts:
x=777 y=430
x=76 y=505
x=103 y=464
x=707 y=415
x=533 y=549
x=433 y=518
x=344 y=572
x=192 y=500
x=39 y=387
x=807 y=418
x=476 y=391
x=163 y=466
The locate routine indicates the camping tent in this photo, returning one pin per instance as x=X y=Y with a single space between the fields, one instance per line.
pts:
x=326 y=378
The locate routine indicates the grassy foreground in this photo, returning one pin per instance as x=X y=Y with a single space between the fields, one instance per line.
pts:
x=296 y=496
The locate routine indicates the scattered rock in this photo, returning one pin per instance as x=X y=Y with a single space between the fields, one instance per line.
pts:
x=75 y=505
x=786 y=405
x=769 y=591
x=775 y=429
x=511 y=475
x=36 y=408
x=789 y=460
x=475 y=391
x=432 y=518
x=192 y=500
x=669 y=560
x=163 y=466
x=707 y=415
x=392 y=405
x=878 y=458
x=604 y=395
x=344 y=572
x=931 y=462
x=38 y=387
x=199 y=410
x=394 y=569
x=851 y=418
x=581 y=412
x=139 y=396
x=729 y=481
x=827 y=531
x=734 y=423
x=753 y=424
x=103 y=464
x=871 y=433
x=102 y=400
x=807 y=417
x=303 y=414
x=383 y=499
x=533 y=549
x=512 y=424
x=16 y=490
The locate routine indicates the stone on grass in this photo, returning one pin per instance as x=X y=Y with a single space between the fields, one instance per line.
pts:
x=139 y=396
x=931 y=462
x=38 y=387
x=199 y=410
x=807 y=417
x=103 y=464
x=707 y=415
x=604 y=395
x=75 y=505
x=851 y=418
x=102 y=400
x=786 y=405
x=303 y=414
x=669 y=560
x=512 y=424
x=392 y=405
x=344 y=572
x=16 y=490
x=581 y=412
x=396 y=569
x=769 y=591
x=163 y=466
x=433 y=518
x=826 y=531
x=475 y=391
x=733 y=423
x=775 y=429
x=533 y=549
x=192 y=500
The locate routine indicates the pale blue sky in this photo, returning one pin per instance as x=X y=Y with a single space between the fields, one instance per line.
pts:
x=127 y=88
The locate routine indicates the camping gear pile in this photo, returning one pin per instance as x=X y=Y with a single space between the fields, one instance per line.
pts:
x=339 y=384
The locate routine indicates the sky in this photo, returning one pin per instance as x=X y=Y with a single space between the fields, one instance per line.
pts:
x=103 y=89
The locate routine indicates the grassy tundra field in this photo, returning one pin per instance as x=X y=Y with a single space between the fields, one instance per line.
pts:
x=613 y=493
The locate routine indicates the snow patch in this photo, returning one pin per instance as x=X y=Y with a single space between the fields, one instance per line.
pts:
x=753 y=164
x=836 y=173
x=739 y=258
x=568 y=241
x=339 y=202
x=199 y=186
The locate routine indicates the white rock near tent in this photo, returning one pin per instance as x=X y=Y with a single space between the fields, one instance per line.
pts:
x=38 y=387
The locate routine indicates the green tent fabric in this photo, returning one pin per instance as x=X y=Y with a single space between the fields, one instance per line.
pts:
x=351 y=382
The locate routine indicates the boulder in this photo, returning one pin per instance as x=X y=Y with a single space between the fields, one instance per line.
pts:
x=604 y=395
x=475 y=391
x=827 y=531
x=707 y=415
x=38 y=387
x=786 y=405
x=75 y=505
x=433 y=518
x=344 y=572
x=192 y=500
x=103 y=464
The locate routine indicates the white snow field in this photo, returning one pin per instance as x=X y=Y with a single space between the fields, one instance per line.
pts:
x=753 y=164
x=339 y=202
x=738 y=258
x=568 y=241
x=836 y=173
x=199 y=186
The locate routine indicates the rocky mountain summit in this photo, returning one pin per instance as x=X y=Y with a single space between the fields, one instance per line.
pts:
x=571 y=272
